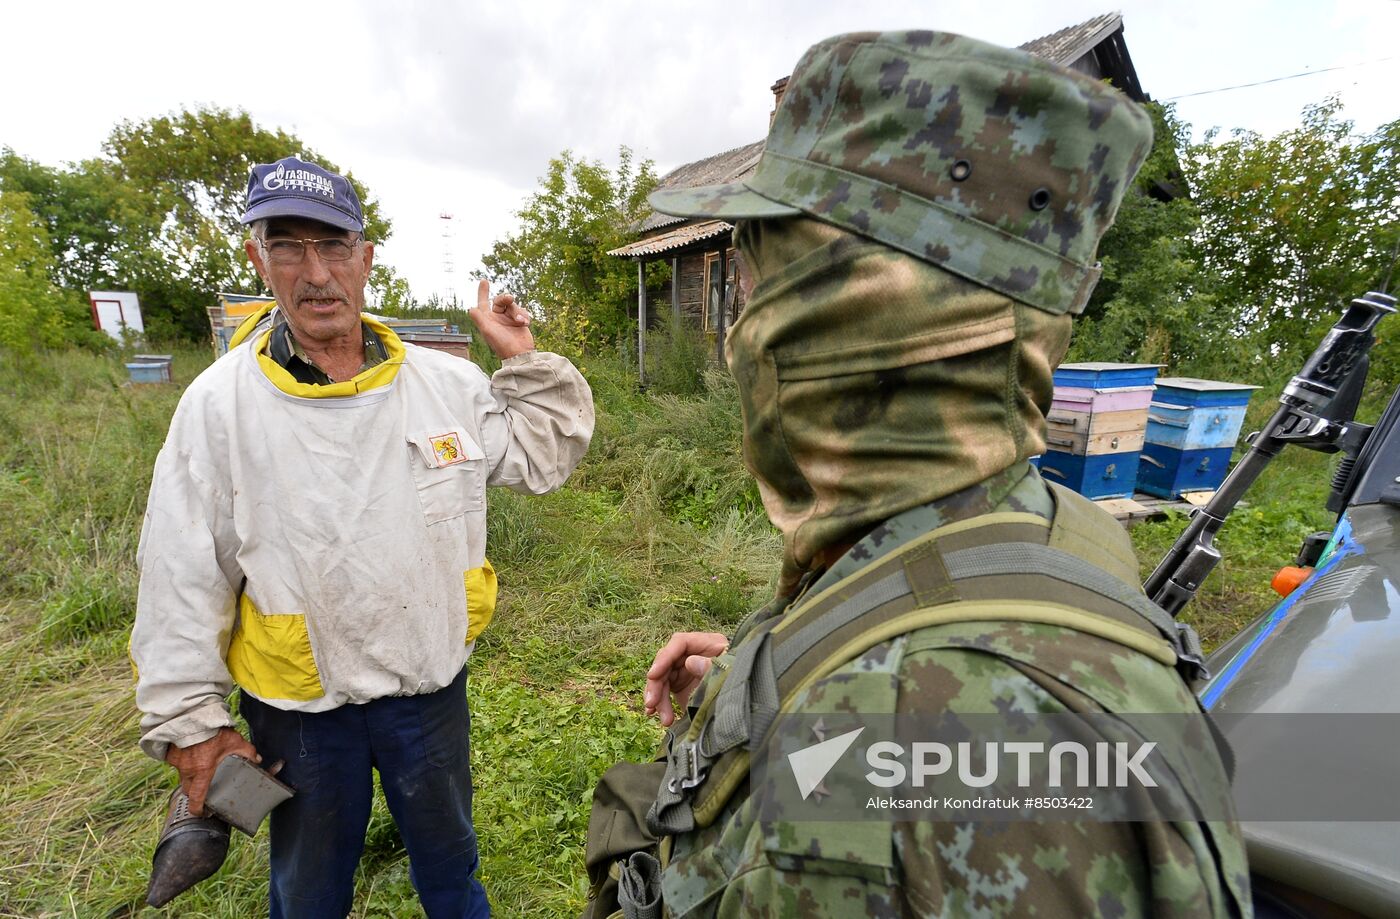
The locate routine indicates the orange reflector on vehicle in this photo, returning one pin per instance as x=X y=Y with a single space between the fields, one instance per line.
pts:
x=1288 y=579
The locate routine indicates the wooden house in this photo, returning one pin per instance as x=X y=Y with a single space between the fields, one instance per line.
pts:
x=703 y=291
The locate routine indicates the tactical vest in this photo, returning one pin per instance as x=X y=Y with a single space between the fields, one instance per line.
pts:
x=1001 y=567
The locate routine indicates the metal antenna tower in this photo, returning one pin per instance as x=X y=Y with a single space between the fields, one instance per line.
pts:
x=448 y=265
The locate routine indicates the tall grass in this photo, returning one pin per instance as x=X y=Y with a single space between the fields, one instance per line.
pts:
x=660 y=529
x=677 y=355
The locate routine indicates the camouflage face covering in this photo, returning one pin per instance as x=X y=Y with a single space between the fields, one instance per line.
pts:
x=996 y=165
x=872 y=382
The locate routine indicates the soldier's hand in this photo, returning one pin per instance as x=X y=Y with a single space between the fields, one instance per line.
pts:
x=502 y=323
x=197 y=762
x=678 y=668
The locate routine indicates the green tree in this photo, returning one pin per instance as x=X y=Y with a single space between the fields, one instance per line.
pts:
x=556 y=261
x=391 y=293
x=1237 y=276
x=158 y=213
x=190 y=172
x=1154 y=301
x=34 y=312
x=80 y=208
x=1294 y=226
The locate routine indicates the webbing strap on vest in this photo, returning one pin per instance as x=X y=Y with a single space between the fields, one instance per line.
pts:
x=1035 y=568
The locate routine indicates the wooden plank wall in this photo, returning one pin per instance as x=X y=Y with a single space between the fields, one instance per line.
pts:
x=692 y=282
x=692 y=271
x=659 y=297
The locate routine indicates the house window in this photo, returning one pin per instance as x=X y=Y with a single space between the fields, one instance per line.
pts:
x=715 y=293
x=712 y=292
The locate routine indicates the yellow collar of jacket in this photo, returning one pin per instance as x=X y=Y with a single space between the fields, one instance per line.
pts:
x=381 y=374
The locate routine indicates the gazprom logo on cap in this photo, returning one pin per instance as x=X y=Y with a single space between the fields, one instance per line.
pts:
x=298 y=179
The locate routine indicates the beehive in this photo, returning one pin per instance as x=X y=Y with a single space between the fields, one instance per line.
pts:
x=150 y=368
x=1096 y=427
x=1192 y=428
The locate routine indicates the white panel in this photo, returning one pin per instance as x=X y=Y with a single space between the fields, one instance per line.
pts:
x=109 y=317
x=118 y=308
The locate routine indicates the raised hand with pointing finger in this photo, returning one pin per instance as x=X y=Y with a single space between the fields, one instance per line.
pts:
x=502 y=322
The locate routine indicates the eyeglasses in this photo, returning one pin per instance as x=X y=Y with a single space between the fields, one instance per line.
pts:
x=284 y=251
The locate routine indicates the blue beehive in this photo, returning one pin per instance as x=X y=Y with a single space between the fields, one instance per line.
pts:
x=1106 y=475
x=150 y=368
x=1105 y=375
x=1096 y=427
x=1192 y=428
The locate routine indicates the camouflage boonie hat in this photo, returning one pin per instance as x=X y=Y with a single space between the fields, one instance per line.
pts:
x=993 y=164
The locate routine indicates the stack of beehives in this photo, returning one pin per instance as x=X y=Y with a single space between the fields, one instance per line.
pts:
x=1096 y=427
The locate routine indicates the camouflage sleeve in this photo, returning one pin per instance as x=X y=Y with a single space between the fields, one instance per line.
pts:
x=1060 y=868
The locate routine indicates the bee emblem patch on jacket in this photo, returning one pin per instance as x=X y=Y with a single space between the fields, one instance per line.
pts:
x=448 y=449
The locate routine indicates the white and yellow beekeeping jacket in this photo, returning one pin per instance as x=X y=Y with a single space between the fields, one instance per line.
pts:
x=323 y=545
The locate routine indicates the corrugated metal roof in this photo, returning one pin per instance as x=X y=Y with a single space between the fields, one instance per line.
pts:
x=673 y=239
x=1070 y=44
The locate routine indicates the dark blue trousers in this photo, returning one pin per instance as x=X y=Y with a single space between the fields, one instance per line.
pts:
x=421 y=747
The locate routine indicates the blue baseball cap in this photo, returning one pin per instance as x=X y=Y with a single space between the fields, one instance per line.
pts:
x=292 y=187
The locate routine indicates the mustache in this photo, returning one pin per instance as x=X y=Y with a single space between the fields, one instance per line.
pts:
x=322 y=292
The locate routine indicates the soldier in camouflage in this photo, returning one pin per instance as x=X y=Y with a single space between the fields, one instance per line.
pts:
x=920 y=229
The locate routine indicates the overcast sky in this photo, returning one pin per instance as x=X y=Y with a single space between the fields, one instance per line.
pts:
x=457 y=107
